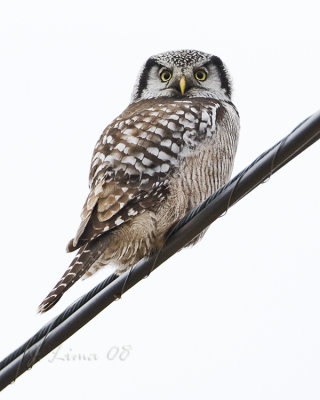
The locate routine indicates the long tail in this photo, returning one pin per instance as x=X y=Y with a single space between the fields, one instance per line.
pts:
x=86 y=256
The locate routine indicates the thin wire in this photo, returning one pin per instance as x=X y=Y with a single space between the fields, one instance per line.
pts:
x=44 y=331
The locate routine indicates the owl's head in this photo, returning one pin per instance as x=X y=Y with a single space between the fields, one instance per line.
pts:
x=183 y=74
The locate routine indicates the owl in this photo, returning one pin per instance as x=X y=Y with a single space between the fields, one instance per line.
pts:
x=171 y=148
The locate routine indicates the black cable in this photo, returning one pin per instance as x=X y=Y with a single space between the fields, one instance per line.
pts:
x=57 y=320
x=89 y=305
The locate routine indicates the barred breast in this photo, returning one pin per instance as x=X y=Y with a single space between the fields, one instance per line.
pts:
x=203 y=168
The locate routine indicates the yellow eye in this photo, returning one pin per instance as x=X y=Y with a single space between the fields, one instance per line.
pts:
x=165 y=75
x=200 y=75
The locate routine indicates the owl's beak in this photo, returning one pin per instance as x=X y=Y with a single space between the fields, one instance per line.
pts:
x=182 y=84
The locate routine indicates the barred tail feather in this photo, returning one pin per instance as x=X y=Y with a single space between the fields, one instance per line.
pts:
x=86 y=256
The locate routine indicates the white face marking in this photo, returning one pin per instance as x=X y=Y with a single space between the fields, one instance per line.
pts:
x=180 y=64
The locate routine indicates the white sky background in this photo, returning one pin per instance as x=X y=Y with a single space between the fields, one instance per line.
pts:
x=237 y=316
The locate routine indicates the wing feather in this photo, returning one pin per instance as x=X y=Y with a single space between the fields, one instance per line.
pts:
x=134 y=159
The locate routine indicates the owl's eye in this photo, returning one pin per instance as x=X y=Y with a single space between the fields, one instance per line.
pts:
x=165 y=75
x=200 y=75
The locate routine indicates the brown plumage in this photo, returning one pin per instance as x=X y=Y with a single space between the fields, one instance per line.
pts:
x=161 y=157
